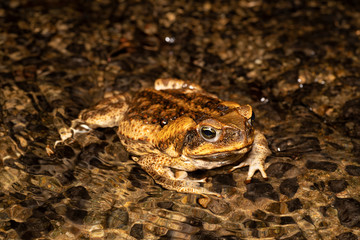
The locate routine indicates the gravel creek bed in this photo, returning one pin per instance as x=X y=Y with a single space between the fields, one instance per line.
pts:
x=296 y=62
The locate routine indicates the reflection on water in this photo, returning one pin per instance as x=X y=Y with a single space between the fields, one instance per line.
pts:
x=296 y=63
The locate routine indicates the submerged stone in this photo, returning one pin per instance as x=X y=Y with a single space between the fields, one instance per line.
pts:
x=260 y=190
x=337 y=186
x=322 y=165
x=289 y=187
x=348 y=211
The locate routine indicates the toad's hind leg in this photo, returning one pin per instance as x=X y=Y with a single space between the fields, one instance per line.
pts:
x=174 y=83
x=107 y=113
x=159 y=168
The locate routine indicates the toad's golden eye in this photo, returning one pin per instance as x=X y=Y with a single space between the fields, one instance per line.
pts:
x=209 y=133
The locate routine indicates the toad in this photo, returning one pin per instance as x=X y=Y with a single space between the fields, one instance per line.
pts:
x=177 y=127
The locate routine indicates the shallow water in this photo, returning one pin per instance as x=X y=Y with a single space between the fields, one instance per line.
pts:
x=297 y=63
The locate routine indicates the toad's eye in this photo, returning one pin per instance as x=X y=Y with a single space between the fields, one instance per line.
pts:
x=209 y=133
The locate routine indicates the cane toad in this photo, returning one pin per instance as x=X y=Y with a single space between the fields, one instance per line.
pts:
x=178 y=127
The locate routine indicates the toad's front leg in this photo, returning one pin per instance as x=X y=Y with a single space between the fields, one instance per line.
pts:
x=256 y=157
x=159 y=168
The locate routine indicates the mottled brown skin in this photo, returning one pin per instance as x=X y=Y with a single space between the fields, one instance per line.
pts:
x=178 y=127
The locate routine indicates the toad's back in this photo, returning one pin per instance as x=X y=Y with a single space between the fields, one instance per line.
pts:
x=161 y=107
x=150 y=110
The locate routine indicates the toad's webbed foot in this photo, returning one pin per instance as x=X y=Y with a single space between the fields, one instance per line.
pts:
x=256 y=158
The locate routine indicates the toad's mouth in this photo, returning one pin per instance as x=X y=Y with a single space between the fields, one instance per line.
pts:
x=209 y=161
